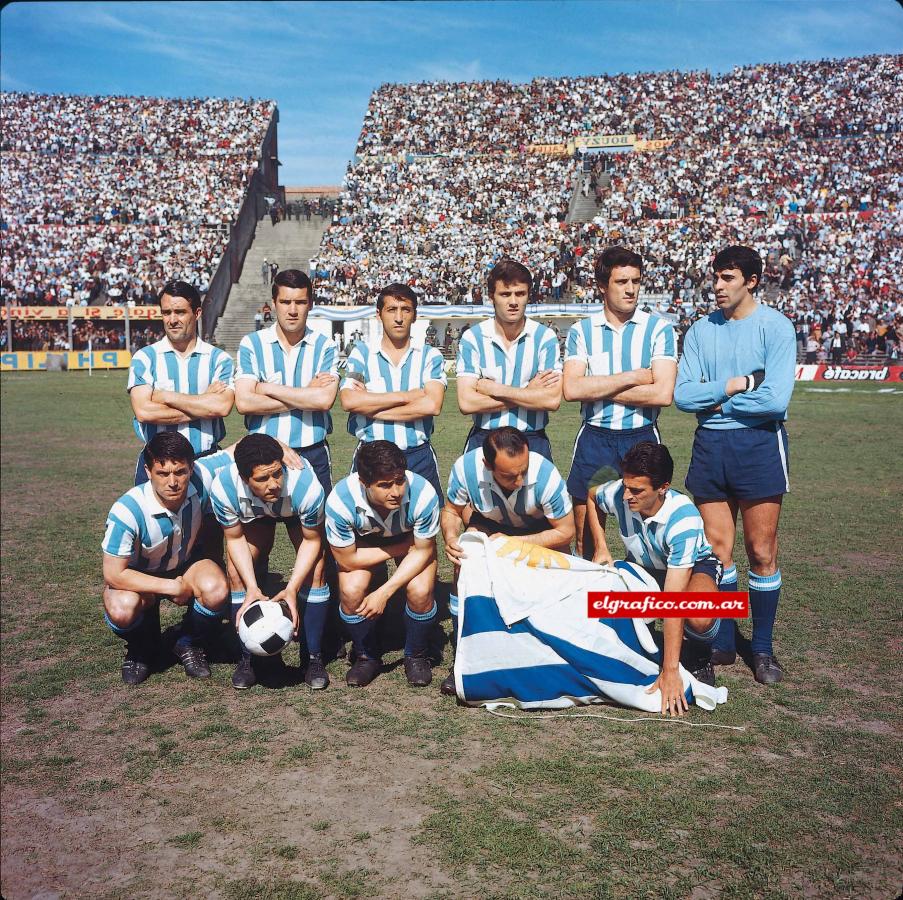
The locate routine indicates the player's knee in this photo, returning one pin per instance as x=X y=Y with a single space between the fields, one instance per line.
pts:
x=122 y=611
x=420 y=599
x=763 y=557
x=213 y=591
x=700 y=626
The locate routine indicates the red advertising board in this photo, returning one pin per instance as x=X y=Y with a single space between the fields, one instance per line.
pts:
x=824 y=372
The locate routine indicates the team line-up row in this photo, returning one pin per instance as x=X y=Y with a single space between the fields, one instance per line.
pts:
x=736 y=374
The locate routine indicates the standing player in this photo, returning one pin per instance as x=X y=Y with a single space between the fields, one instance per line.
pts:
x=248 y=498
x=285 y=386
x=663 y=533
x=621 y=364
x=504 y=488
x=181 y=383
x=378 y=513
x=737 y=375
x=393 y=390
x=509 y=367
x=149 y=552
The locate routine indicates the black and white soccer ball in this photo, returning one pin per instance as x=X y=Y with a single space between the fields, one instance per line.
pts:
x=265 y=627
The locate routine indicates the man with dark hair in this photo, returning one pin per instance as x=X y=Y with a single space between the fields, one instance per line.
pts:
x=381 y=512
x=286 y=384
x=621 y=365
x=504 y=488
x=737 y=375
x=248 y=498
x=393 y=389
x=508 y=367
x=149 y=553
x=181 y=383
x=664 y=533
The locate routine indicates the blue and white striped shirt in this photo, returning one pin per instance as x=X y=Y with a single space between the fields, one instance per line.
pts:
x=234 y=502
x=160 y=366
x=542 y=496
x=153 y=539
x=349 y=513
x=674 y=538
x=204 y=473
x=481 y=354
x=610 y=351
x=261 y=356
x=418 y=366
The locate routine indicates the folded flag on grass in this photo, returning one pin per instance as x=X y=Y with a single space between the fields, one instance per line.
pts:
x=524 y=636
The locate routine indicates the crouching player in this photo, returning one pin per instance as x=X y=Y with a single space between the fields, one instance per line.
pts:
x=381 y=512
x=504 y=488
x=663 y=532
x=248 y=497
x=150 y=551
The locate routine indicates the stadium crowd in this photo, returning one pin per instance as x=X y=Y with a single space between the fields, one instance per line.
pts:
x=101 y=195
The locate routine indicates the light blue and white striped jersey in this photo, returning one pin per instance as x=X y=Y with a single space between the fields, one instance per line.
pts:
x=418 y=366
x=349 y=514
x=542 y=496
x=233 y=501
x=159 y=365
x=153 y=539
x=204 y=473
x=482 y=355
x=674 y=538
x=262 y=357
x=610 y=351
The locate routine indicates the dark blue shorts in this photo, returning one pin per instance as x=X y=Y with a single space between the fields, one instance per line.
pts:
x=537 y=441
x=141 y=472
x=739 y=463
x=420 y=460
x=596 y=448
x=318 y=457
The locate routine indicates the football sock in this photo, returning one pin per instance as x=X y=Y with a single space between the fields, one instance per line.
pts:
x=128 y=631
x=200 y=624
x=764 y=593
x=238 y=597
x=316 y=607
x=417 y=629
x=359 y=628
x=726 y=639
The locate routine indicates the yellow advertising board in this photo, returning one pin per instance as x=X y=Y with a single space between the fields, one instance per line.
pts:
x=61 y=313
x=658 y=144
x=600 y=141
x=548 y=149
x=25 y=361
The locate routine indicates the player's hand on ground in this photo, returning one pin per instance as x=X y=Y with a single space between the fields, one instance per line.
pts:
x=674 y=701
x=291 y=601
x=291 y=459
x=251 y=597
x=602 y=557
x=454 y=552
x=373 y=604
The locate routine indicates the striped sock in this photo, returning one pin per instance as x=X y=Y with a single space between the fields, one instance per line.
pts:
x=199 y=624
x=359 y=628
x=237 y=598
x=417 y=629
x=726 y=639
x=764 y=593
x=128 y=629
x=316 y=607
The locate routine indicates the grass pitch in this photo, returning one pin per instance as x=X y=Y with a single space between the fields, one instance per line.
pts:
x=186 y=789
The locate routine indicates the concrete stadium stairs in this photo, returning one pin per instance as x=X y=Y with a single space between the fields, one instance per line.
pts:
x=585 y=209
x=291 y=244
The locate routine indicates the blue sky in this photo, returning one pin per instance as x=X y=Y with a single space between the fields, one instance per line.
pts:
x=320 y=61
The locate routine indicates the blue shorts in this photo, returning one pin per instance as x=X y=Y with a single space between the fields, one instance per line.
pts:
x=596 y=448
x=422 y=461
x=320 y=461
x=537 y=441
x=141 y=472
x=739 y=463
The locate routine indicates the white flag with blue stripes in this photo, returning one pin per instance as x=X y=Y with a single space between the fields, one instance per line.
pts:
x=524 y=636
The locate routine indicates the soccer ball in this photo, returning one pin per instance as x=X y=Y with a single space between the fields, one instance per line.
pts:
x=265 y=627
